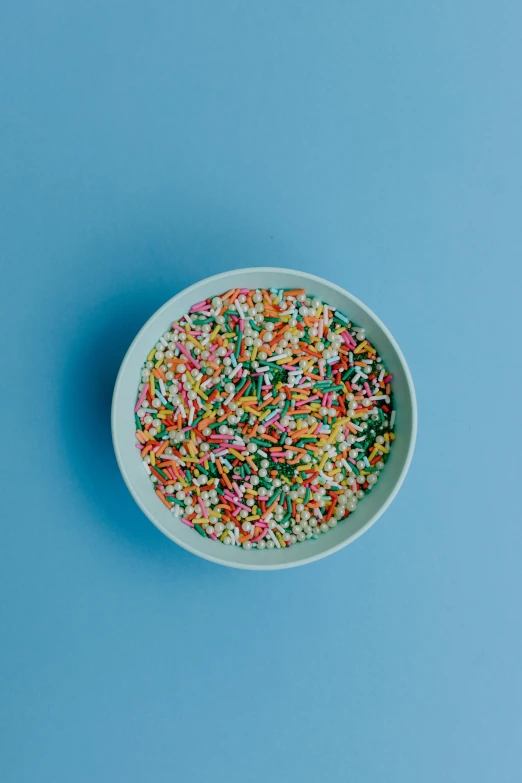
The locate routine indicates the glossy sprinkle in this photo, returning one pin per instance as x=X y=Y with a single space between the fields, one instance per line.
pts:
x=263 y=417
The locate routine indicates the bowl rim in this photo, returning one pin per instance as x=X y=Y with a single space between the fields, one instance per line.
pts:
x=222 y=276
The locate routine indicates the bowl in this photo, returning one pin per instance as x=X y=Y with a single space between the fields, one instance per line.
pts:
x=367 y=512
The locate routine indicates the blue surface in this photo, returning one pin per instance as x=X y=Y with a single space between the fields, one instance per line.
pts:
x=143 y=146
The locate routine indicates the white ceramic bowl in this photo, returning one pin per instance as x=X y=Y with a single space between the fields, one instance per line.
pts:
x=367 y=512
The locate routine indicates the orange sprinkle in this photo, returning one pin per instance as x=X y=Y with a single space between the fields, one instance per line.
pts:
x=163 y=499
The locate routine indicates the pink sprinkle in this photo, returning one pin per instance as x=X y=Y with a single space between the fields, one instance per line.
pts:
x=368 y=390
x=171 y=473
x=324 y=402
x=261 y=535
x=213 y=536
x=388 y=378
x=221 y=437
x=198 y=306
x=187 y=522
x=139 y=446
x=141 y=397
x=188 y=355
x=203 y=507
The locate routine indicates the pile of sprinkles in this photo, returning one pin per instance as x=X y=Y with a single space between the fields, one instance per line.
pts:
x=263 y=417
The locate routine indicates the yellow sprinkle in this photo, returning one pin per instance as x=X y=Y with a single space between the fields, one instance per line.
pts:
x=361 y=347
x=381 y=448
x=214 y=333
x=324 y=459
x=252 y=411
x=304 y=467
x=150 y=357
x=152 y=458
x=151 y=384
x=372 y=455
x=254 y=353
x=201 y=393
x=237 y=454
x=214 y=513
x=196 y=342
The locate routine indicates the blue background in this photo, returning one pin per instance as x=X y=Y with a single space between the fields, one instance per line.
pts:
x=144 y=146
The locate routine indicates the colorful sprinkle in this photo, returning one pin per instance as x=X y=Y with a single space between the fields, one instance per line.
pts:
x=263 y=417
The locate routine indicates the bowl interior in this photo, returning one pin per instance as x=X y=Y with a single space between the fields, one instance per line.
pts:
x=347 y=530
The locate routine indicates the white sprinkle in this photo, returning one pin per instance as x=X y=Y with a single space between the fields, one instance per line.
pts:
x=392 y=419
x=192 y=410
x=162 y=340
x=239 y=309
x=236 y=369
x=146 y=467
x=276 y=358
x=274 y=538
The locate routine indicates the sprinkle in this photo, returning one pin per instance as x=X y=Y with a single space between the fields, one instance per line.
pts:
x=225 y=427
